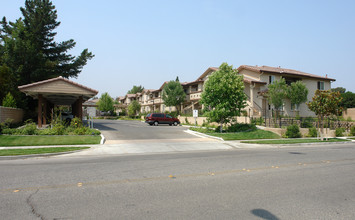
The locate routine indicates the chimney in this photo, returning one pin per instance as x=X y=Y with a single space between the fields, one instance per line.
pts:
x=326 y=75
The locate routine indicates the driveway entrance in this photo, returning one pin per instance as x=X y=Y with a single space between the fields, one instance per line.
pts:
x=117 y=131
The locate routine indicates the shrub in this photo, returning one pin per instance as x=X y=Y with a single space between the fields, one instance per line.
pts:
x=173 y=114
x=244 y=113
x=94 y=132
x=312 y=132
x=339 y=132
x=186 y=121
x=76 y=123
x=47 y=131
x=307 y=122
x=58 y=129
x=240 y=127
x=293 y=131
x=122 y=113
x=29 y=129
x=81 y=131
x=257 y=121
x=352 y=131
x=9 y=131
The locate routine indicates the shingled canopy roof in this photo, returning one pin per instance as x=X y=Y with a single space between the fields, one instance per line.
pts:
x=59 y=91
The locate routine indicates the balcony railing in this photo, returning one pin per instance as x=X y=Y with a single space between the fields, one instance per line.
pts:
x=195 y=95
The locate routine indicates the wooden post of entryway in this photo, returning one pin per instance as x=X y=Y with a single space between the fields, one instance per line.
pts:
x=44 y=120
x=80 y=107
x=39 y=110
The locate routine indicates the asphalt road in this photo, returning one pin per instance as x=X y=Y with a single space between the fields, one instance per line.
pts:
x=137 y=130
x=315 y=182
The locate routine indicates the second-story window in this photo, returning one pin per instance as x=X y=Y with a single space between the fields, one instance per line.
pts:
x=271 y=79
x=294 y=107
x=320 y=85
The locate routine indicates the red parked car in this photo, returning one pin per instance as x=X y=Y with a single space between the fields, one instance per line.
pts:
x=161 y=118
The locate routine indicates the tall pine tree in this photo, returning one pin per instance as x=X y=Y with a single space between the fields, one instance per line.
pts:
x=28 y=49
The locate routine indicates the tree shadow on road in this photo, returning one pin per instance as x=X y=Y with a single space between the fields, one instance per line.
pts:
x=264 y=214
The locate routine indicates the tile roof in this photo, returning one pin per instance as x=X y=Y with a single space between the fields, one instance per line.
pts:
x=131 y=95
x=280 y=70
x=250 y=80
x=210 y=69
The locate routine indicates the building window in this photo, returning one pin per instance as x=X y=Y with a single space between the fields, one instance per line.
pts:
x=294 y=107
x=320 y=85
x=271 y=79
x=290 y=80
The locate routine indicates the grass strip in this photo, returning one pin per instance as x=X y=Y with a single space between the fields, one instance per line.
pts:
x=38 y=140
x=250 y=135
x=16 y=152
x=293 y=141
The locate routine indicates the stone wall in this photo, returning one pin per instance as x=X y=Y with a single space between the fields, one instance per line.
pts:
x=350 y=112
x=304 y=131
x=201 y=120
x=15 y=114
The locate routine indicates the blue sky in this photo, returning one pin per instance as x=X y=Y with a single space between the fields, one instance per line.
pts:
x=149 y=42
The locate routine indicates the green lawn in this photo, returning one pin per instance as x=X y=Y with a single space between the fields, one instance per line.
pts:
x=129 y=119
x=258 y=134
x=15 y=152
x=37 y=140
x=292 y=141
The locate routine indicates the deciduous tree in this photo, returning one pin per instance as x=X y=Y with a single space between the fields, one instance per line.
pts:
x=277 y=92
x=223 y=95
x=348 y=100
x=133 y=108
x=297 y=92
x=105 y=103
x=325 y=103
x=339 y=89
x=173 y=94
x=135 y=90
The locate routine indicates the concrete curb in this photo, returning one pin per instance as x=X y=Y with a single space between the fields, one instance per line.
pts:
x=260 y=145
x=203 y=135
x=39 y=155
x=102 y=139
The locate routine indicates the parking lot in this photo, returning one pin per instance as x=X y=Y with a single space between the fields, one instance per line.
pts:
x=116 y=131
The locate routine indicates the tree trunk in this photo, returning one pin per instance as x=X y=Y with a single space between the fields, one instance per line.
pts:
x=221 y=126
x=321 y=127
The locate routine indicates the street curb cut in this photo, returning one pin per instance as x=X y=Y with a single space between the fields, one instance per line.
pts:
x=204 y=135
x=38 y=155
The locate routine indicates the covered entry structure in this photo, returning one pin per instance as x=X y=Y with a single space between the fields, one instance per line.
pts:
x=58 y=91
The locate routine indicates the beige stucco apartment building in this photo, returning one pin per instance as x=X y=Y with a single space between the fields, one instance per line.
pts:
x=256 y=81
